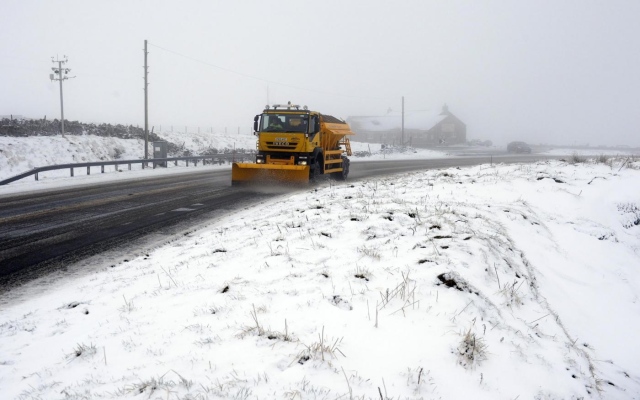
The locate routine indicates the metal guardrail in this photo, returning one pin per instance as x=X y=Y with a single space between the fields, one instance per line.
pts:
x=215 y=159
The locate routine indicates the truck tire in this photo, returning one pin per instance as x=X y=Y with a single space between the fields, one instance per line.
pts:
x=314 y=173
x=342 y=175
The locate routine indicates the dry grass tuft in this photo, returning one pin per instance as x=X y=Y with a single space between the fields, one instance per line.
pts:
x=83 y=351
x=472 y=350
x=317 y=350
x=576 y=158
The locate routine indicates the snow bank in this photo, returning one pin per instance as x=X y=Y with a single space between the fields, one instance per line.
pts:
x=21 y=154
x=515 y=281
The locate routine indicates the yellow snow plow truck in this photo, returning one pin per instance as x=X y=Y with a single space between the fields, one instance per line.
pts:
x=296 y=145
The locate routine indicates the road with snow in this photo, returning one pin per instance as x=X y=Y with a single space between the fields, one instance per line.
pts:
x=43 y=231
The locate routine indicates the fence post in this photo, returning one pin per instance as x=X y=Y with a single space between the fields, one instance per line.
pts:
x=36 y=176
x=88 y=170
x=102 y=168
x=71 y=171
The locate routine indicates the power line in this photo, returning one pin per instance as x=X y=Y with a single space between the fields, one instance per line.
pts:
x=262 y=79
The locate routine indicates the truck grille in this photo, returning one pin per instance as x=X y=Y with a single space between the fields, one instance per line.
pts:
x=281 y=146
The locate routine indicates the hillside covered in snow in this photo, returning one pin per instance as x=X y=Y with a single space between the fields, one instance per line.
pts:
x=490 y=282
x=28 y=144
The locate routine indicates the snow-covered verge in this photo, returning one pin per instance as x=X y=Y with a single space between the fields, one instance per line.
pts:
x=489 y=282
x=594 y=152
x=21 y=154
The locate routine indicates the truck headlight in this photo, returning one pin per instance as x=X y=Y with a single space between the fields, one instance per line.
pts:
x=302 y=162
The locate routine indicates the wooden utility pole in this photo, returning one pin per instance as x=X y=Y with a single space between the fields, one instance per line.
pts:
x=146 y=105
x=402 y=121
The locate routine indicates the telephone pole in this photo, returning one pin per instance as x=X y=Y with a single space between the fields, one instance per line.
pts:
x=60 y=74
x=146 y=104
x=402 y=121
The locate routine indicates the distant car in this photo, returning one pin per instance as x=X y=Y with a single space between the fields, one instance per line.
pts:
x=518 y=147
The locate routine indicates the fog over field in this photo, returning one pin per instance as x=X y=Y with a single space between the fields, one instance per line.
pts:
x=540 y=71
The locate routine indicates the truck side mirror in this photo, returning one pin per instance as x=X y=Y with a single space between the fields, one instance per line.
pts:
x=316 y=126
x=255 y=123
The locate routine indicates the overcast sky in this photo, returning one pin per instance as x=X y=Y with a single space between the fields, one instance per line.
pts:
x=550 y=71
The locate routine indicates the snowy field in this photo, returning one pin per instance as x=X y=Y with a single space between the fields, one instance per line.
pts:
x=490 y=282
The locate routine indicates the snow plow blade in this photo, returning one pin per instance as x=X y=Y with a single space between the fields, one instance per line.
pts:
x=261 y=174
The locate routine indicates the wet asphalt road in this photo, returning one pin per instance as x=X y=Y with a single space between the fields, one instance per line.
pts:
x=43 y=231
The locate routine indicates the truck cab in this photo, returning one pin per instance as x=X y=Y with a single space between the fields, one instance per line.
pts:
x=296 y=144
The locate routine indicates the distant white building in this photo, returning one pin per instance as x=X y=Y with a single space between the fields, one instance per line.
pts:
x=421 y=129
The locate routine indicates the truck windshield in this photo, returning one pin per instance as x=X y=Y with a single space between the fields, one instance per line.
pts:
x=284 y=123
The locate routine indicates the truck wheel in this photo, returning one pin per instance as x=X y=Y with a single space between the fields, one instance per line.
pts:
x=314 y=174
x=342 y=175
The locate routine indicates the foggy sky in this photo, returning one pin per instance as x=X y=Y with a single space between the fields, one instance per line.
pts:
x=545 y=71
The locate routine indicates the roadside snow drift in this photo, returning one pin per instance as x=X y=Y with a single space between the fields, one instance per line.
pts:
x=21 y=154
x=492 y=282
